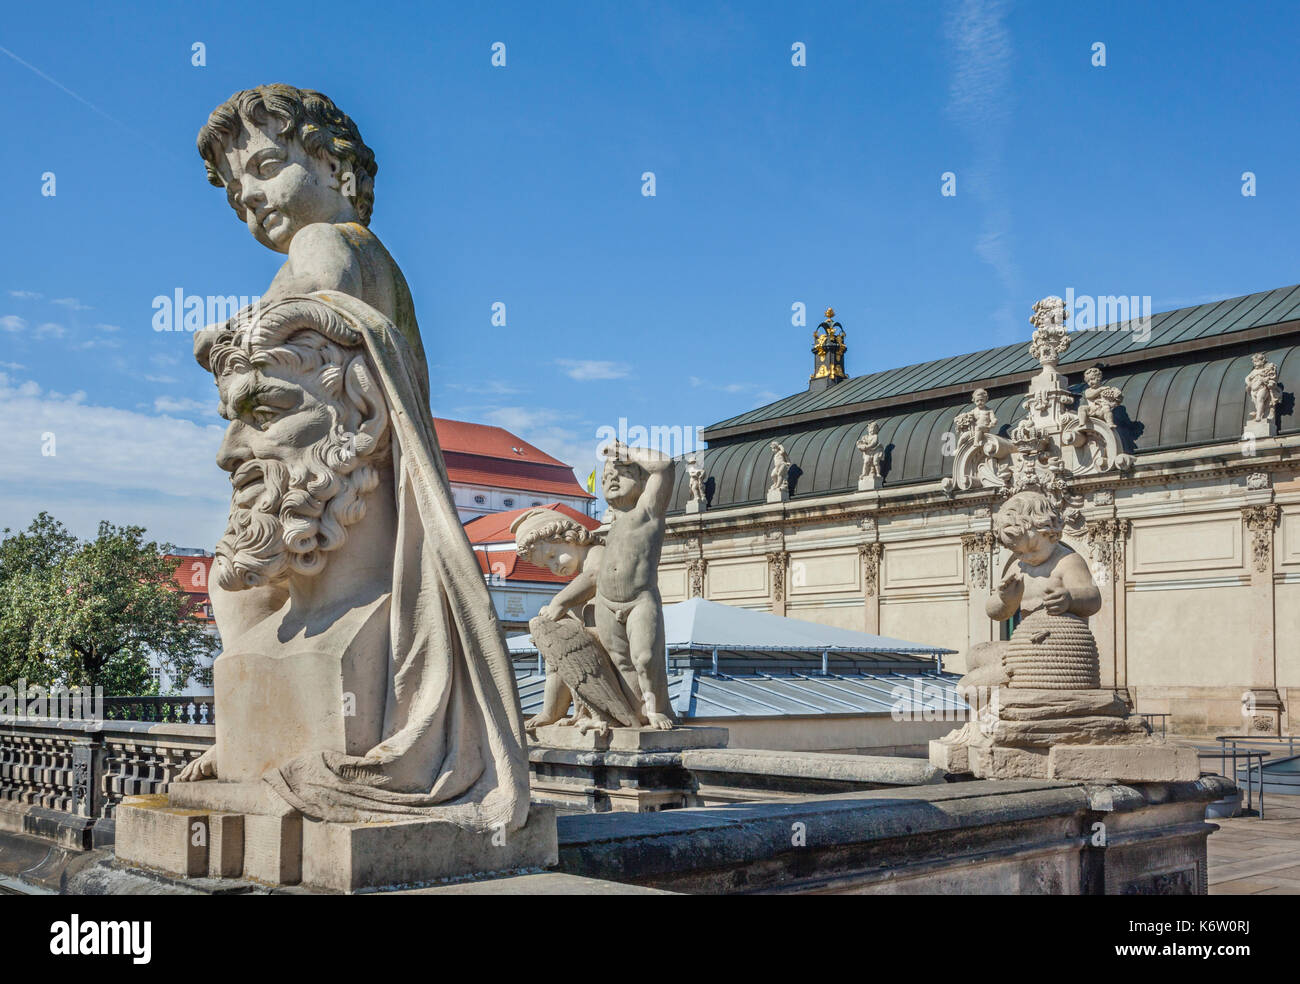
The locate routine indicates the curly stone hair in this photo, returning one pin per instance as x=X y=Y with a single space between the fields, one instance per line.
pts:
x=545 y=525
x=1028 y=512
x=321 y=127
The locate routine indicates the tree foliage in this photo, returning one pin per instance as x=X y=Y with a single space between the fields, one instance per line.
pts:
x=91 y=613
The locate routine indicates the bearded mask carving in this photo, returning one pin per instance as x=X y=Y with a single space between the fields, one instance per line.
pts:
x=308 y=435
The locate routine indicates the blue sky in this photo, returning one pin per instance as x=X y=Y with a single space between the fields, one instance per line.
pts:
x=775 y=184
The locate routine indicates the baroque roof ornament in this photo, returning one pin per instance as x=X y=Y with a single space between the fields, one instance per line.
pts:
x=1054 y=442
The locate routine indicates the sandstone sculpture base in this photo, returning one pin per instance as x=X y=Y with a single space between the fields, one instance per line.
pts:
x=1260 y=428
x=1152 y=762
x=869 y=484
x=778 y=495
x=1061 y=734
x=569 y=738
x=695 y=506
x=191 y=835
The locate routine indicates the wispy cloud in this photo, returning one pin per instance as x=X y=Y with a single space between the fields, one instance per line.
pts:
x=26 y=295
x=50 y=329
x=59 y=85
x=11 y=322
x=71 y=303
x=557 y=432
x=108 y=463
x=489 y=387
x=588 y=369
x=759 y=394
x=979 y=102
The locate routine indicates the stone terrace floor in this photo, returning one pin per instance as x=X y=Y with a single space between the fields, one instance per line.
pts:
x=1250 y=856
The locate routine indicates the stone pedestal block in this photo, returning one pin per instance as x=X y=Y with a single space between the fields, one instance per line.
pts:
x=353 y=857
x=273 y=849
x=951 y=756
x=1260 y=428
x=778 y=495
x=229 y=797
x=630 y=739
x=994 y=762
x=626 y=771
x=1151 y=762
x=156 y=835
x=307 y=699
x=225 y=845
x=869 y=484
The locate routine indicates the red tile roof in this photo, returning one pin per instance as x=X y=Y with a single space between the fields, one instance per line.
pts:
x=192 y=572
x=484 y=439
x=495 y=527
x=192 y=575
x=479 y=454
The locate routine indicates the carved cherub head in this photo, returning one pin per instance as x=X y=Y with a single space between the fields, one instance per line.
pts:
x=552 y=540
x=980 y=398
x=1029 y=525
x=622 y=481
x=1258 y=360
x=1092 y=376
x=288 y=158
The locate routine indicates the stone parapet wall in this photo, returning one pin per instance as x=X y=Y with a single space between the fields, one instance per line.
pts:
x=1016 y=837
x=64 y=778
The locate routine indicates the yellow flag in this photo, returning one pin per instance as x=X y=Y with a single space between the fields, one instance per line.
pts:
x=591 y=482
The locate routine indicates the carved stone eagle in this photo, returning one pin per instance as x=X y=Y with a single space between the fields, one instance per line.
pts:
x=586 y=669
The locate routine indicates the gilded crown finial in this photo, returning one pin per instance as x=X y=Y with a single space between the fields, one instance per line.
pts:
x=828 y=351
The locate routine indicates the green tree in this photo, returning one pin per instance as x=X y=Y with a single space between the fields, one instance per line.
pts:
x=27 y=561
x=92 y=613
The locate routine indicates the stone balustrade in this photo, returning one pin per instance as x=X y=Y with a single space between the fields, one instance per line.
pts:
x=63 y=779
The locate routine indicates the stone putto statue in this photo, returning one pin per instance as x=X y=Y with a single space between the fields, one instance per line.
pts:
x=615 y=672
x=778 y=479
x=695 y=475
x=364 y=675
x=1038 y=707
x=1099 y=401
x=1052 y=588
x=872 y=455
x=579 y=670
x=983 y=421
x=1265 y=396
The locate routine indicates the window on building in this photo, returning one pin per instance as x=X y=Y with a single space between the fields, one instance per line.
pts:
x=508 y=503
x=480 y=499
x=1009 y=626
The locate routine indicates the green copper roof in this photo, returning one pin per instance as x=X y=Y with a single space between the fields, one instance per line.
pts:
x=1185 y=399
x=1170 y=331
